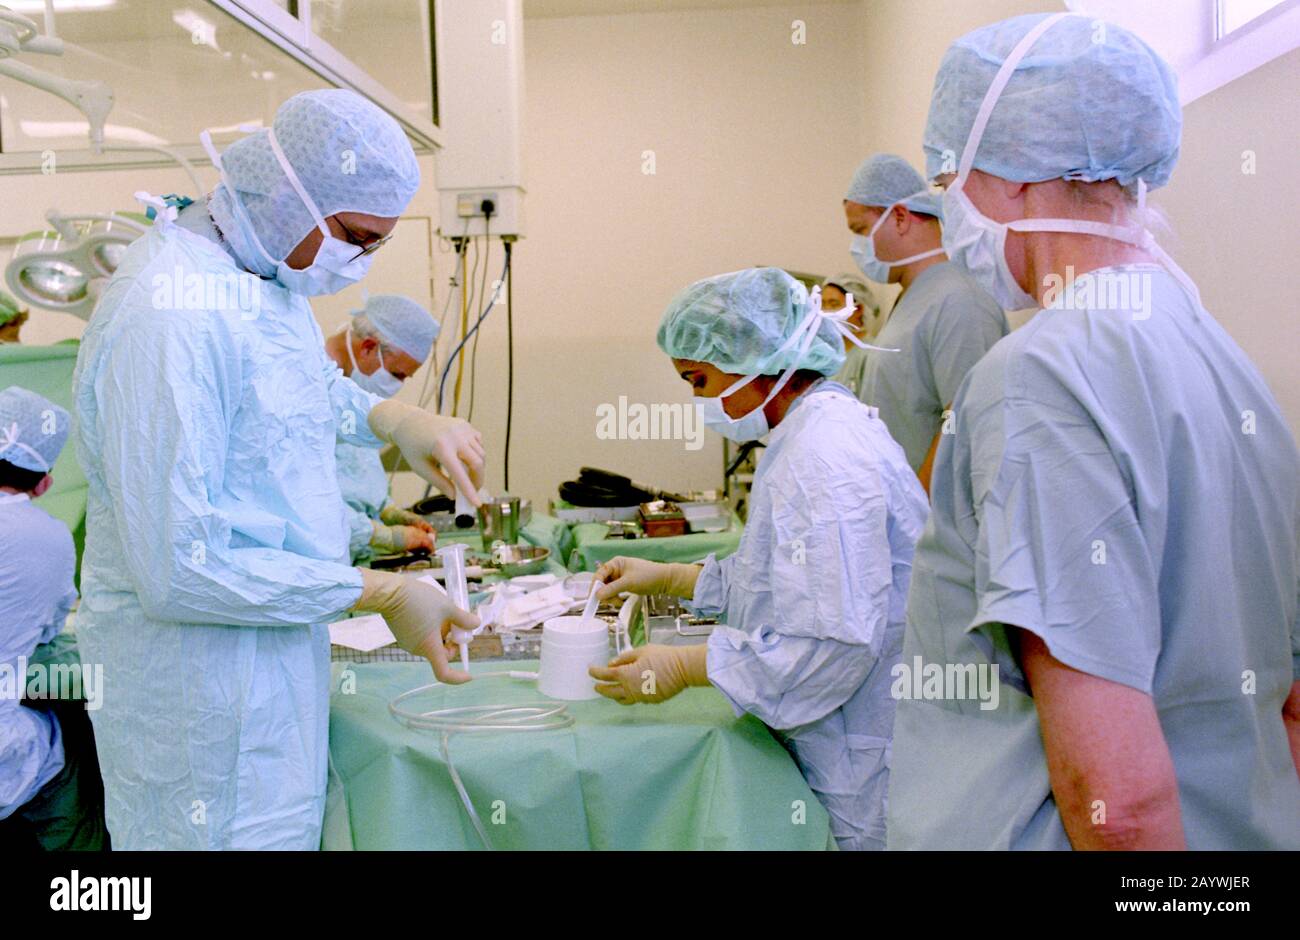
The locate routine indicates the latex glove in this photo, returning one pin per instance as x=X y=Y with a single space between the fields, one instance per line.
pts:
x=639 y=576
x=448 y=452
x=420 y=617
x=400 y=538
x=391 y=515
x=653 y=673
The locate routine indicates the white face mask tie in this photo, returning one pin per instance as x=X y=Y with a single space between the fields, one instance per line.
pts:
x=863 y=248
x=337 y=264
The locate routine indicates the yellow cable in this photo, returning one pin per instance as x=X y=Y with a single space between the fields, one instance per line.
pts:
x=464 y=331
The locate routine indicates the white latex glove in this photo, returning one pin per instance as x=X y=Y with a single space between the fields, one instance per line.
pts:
x=639 y=576
x=448 y=452
x=420 y=617
x=653 y=673
x=400 y=538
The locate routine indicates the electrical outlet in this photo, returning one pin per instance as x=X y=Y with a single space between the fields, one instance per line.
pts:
x=470 y=205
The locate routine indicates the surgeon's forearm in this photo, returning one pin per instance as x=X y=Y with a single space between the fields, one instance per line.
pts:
x=1107 y=759
x=246 y=587
x=1291 y=718
x=927 y=465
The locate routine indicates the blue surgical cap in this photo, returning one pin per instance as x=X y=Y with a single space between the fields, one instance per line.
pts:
x=1089 y=101
x=402 y=324
x=884 y=179
x=349 y=155
x=33 y=429
x=738 y=321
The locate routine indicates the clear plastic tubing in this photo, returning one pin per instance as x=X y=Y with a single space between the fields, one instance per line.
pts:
x=529 y=716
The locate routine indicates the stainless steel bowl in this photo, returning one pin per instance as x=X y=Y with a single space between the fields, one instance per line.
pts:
x=516 y=560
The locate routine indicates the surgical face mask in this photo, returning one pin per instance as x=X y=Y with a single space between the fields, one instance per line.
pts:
x=978 y=243
x=337 y=264
x=753 y=425
x=750 y=427
x=381 y=382
x=863 y=249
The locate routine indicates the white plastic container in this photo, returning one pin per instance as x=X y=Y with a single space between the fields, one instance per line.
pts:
x=569 y=647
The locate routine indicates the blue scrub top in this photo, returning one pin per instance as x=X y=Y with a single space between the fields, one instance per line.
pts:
x=1121 y=483
x=942 y=324
x=36 y=593
x=813 y=601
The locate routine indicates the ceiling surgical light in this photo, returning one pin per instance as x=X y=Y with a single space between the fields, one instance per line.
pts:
x=64 y=268
x=18 y=34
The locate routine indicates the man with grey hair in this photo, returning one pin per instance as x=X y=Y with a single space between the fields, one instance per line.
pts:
x=384 y=345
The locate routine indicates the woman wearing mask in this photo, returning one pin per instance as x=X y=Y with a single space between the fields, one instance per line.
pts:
x=813 y=598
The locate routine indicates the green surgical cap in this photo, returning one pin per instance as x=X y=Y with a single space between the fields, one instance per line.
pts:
x=739 y=321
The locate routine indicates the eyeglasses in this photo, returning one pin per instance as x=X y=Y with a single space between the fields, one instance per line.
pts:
x=354 y=239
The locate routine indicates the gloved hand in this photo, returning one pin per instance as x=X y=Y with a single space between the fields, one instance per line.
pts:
x=448 y=452
x=400 y=538
x=391 y=515
x=639 y=576
x=420 y=617
x=653 y=673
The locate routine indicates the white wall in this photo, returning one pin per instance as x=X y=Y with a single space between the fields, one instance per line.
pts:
x=1235 y=232
x=903 y=43
x=753 y=139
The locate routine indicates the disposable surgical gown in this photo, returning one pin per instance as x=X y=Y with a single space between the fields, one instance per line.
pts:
x=364 y=486
x=850 y=374
x=814 y=598
x=942 y=324
x=36 y=564
x=1122 y=484
x=216 y=550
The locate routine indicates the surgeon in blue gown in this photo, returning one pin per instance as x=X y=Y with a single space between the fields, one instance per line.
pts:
x=385 y=343
x=216 y=540
x=813 y=597
x=1114 y=518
